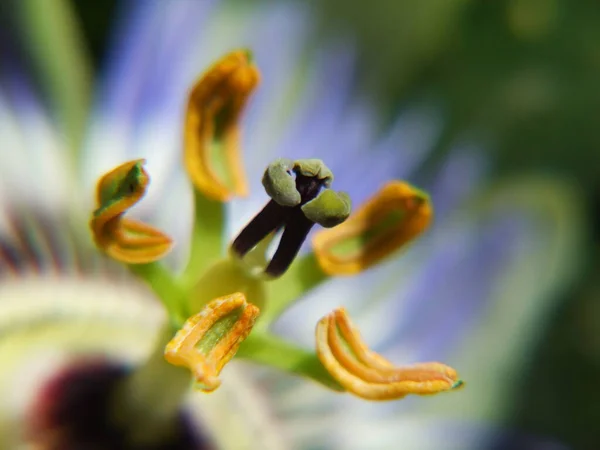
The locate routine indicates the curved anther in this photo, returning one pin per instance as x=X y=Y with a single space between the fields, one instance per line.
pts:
x=385 y=223
x=208 y=340
x=124 y=239
x=216 y=103
x=367 y=374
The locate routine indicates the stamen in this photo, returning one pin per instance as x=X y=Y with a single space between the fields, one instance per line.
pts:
x=208 y=340
x=125 y=240
x=367 y=374
x=300 y=198
x=390 y=219
x=216 y=102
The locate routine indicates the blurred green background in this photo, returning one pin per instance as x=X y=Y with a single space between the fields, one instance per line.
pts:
x=522 y=75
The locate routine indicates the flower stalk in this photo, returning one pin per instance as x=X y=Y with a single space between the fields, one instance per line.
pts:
x=146 y=404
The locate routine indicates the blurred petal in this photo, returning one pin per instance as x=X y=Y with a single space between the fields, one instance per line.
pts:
x=35 y=167
x=66 y=70
x=48 y=320
x=543 y=261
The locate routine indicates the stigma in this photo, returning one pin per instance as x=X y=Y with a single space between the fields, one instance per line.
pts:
x=300 y=198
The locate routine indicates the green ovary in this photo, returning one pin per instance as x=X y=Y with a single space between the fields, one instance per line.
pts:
x=223 y=278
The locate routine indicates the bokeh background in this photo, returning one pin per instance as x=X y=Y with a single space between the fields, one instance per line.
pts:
x=521 y=75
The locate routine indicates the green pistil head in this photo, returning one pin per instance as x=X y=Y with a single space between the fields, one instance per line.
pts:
x=280 y=184
x=289 y=190
x=329 y=208
x=314 y=168
x=300 y=198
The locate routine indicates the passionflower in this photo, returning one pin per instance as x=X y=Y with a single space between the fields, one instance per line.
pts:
x=212 y=277
x=301 y=196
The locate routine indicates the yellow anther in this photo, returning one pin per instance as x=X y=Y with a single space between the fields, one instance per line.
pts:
x=367 y=374
x=209 y=339
x=390 y=219
x=123 y=239
x=216 y=102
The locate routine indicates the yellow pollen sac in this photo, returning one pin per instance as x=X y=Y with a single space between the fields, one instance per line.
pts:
x=123 y=239
x=209 y=339
x=212 y=156
x=387 y=221
x=367 y=374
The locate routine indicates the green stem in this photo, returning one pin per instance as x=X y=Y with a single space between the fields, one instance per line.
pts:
x=148 y=401
x=207 y=238
x=303 y=275
x=167 y=289
x=272 y=351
